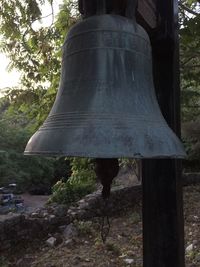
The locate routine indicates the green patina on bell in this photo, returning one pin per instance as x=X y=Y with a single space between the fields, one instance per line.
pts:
x=106 y=105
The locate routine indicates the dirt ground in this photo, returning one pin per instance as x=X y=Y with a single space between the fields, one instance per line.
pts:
x=122 y=248
x=31 y=204
x=34 y=202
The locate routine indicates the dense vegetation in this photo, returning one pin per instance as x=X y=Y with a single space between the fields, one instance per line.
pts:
x=190 y=80
x=35 y=51
x=35 y=174
x=80 y=183
x=36 y=54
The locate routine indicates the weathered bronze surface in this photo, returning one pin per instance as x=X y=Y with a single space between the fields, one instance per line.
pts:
x=106 y=105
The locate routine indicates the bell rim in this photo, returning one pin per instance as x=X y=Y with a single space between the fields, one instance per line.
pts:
x=96 y=155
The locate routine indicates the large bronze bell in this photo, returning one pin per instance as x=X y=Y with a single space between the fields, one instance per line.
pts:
x=106 y=105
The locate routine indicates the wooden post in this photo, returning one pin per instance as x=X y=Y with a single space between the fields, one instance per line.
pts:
x=163 y=228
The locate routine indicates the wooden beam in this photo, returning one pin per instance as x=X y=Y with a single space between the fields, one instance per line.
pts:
x=147 y=10
x=163 y=223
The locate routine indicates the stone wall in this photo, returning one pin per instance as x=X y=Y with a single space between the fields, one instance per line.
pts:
x=191 y=178
x=20 y=228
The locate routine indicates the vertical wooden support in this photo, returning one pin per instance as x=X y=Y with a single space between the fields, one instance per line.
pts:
x=163 y=227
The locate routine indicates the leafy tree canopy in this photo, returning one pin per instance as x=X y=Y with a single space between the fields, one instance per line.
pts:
x=35 y=51
x=190 y=57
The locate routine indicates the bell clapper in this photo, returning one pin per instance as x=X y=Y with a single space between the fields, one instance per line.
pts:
x=105 y=222
x=106 y=170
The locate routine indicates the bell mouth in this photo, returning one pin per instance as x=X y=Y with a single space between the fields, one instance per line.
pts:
x=107 y=141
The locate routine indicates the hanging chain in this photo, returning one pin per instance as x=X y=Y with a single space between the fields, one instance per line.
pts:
x=105 y=223
x=106 y=170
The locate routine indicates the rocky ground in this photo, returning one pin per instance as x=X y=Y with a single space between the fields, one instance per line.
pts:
x=80 y=244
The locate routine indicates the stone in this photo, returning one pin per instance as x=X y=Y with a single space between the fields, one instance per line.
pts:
x=73 y=213
x=195 y=242
x=198 y=258
x=189 y=248
x=18 y=263
x=61 y=210
x=51 y=242
x=77 y=260
x=69 y=242
x=62 y=228
x=38 y=222
x=53 y=219
x=70 y=232
x=129 y=261
x=59 y=238
x=83 y=205
x=34 y=214
x=11 y=213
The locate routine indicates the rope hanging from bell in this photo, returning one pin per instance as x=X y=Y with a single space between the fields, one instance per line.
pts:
x=106 y=170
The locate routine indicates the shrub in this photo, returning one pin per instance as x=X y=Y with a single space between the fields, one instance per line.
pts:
x=80 y=183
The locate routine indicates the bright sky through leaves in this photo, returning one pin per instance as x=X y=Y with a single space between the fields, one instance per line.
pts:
x=7 y=79
x=11 y=78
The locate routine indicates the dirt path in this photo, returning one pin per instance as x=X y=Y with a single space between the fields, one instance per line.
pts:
x=34 y=201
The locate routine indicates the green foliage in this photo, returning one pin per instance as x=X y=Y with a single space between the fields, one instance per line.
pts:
x=62 y=169
x=114 y=248
x=135 y=217
x=31 y=49
x=82 y=170
x=27 y=172
x=85 y=228
x=4 y=262
x=81 y=183
x=190 y=58
x=35 y=174
x=22 y=31
x=35 y=51
x=190 y=80
x=130 y=163
x=69 y=192
x=23 y=107
x=191 y=133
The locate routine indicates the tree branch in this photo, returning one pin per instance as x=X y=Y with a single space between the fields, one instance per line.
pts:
x=188 y=9
x=191 y=66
